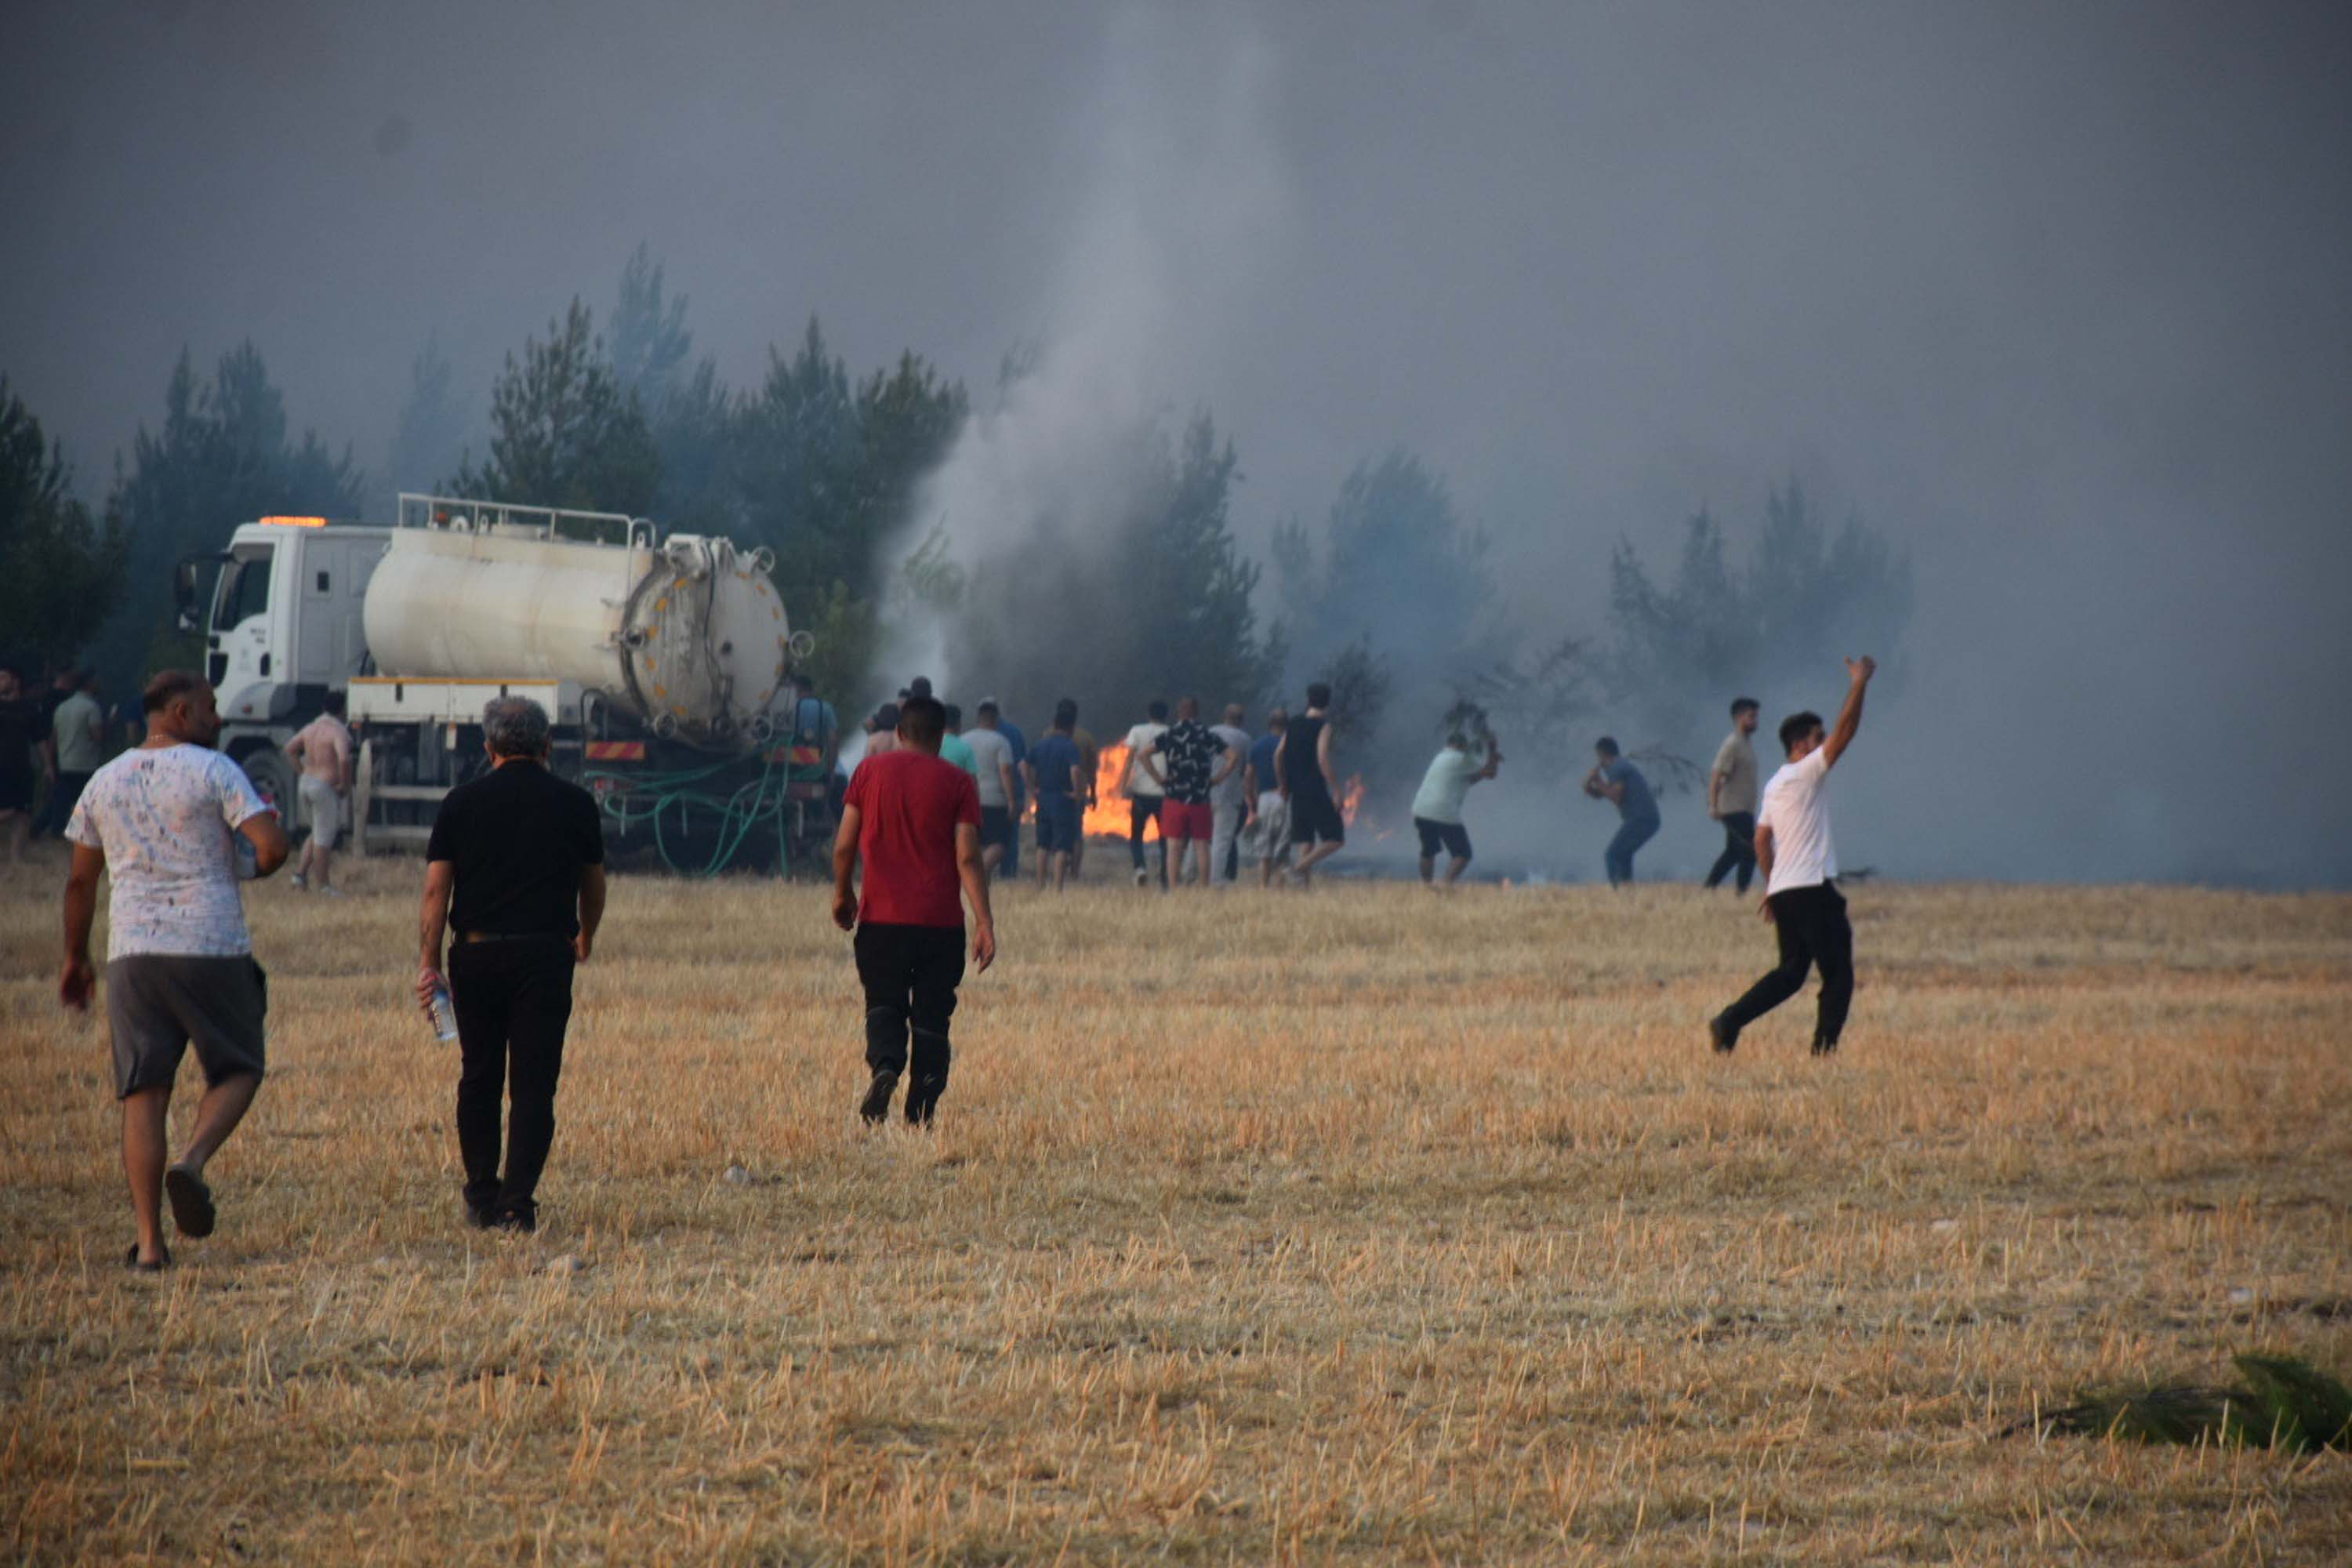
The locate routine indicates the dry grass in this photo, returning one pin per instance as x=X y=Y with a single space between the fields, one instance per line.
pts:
x=1361 y=1226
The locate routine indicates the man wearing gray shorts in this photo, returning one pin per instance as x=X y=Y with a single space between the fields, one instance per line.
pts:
x=170 y=820
x=323 y=749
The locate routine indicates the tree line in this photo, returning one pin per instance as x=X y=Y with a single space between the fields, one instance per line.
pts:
x=1393 y=597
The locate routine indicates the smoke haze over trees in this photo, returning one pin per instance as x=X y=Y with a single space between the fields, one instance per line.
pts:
x=1150 y=597
x=2051 y=298
x=1682 y=648
x=60 y=570
x=564 y=432
x=223 y=455
x=435 y=423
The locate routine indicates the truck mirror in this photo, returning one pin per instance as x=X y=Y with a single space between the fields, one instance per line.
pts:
x=183 y=596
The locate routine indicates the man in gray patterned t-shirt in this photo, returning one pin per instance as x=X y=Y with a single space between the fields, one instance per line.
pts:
x=168 y=819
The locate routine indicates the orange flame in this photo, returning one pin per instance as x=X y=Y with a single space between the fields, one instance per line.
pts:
x=1109 y=817
x=1351 y=799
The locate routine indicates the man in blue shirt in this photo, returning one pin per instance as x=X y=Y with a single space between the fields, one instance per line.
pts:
x=1055 y=772
x=1614 y=778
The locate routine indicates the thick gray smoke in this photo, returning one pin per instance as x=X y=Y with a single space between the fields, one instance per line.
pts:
x=2054 y=296
x=1179 y=214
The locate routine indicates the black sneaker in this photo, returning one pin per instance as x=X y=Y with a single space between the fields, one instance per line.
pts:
x=923 y=1102
x=514 y=1222
x=191 y=1201
x=477 y=1216
x=1824 y=1047
x=1721 y=1035
x=875 y=1106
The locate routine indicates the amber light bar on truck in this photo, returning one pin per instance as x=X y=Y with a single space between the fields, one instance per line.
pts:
x=295 y=521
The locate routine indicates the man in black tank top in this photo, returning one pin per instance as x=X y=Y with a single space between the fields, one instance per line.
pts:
x=1303 y=762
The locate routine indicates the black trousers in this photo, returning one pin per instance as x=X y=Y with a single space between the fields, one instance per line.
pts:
x=1739 y=849
x=911 y=974
x=1142 y=811
x=65 y=793
x=513 y=1001
x=1814 y=931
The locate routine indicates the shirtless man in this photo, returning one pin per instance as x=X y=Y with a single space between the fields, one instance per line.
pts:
x=322 y=749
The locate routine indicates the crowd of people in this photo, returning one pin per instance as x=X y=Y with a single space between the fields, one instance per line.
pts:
x=514 y=893
x=1202 y=799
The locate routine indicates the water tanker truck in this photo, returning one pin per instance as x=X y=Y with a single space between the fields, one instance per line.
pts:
x=666 y=664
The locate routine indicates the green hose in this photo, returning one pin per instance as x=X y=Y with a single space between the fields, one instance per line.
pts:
x=738 y=813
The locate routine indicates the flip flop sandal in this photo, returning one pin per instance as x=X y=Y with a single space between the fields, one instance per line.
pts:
x=130 y=1261
x=191 y=1201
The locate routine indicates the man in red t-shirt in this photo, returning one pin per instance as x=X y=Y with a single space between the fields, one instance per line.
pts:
x=914 y=819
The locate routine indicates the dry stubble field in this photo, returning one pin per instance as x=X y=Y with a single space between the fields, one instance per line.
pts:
x=1361 y=1226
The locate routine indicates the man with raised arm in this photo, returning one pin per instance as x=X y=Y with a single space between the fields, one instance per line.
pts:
x=514 y=876
x=1799 y=863
x=914 y=820
x=172 y=821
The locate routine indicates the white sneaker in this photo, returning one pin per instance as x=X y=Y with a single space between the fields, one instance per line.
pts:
x=301 y=883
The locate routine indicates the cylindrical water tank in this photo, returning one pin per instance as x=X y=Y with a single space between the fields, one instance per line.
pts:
x=686 y=631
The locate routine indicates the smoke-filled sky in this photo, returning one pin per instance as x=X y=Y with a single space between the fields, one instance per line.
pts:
x=2060 y=297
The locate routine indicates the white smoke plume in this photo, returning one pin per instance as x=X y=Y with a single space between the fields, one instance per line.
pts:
x=1183 y=215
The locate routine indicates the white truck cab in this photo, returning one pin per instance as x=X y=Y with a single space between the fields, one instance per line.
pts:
x=283 y=628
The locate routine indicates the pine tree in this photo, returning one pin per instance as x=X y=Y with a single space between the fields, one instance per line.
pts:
x=429 y=443
x=564 y=432
x=59 y=571
x=796 y=446
x=221 y=458
x=1394 y=602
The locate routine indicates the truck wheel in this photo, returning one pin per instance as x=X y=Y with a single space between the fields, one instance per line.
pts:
x=273 y=781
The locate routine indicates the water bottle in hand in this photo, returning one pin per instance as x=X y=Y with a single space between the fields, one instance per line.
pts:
x=445 y=1016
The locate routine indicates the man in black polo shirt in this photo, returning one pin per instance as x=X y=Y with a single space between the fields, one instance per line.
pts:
x=523 y=853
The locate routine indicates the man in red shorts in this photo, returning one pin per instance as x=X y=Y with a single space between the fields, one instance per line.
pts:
x=1180 y=761
x=914 y=820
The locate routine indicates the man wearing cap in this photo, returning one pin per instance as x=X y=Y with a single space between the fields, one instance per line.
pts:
x=515 y=874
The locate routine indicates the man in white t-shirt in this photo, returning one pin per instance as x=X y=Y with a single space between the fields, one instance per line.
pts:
x=168 y=822
x=1145 y=794
x=1437 y=808
x=991 y=755
x=1799 y=866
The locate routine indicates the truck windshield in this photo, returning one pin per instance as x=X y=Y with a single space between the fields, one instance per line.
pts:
x=243 y=591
